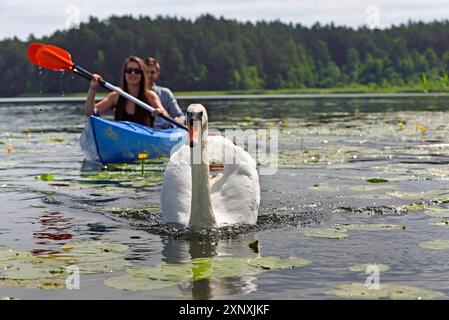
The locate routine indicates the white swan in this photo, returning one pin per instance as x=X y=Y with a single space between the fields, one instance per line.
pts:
x=191 y=198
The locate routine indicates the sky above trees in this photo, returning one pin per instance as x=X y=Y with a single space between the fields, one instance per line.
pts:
x=43 y=17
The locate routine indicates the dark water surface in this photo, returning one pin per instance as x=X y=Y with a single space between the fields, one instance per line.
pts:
x=328 y=149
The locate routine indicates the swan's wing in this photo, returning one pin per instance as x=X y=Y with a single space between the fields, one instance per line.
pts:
x=176 y=191
x=236 y=195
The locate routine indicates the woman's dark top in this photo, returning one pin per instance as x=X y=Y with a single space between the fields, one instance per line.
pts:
x=140 y=115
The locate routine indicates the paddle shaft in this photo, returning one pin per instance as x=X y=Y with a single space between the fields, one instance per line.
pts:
x=87 y=75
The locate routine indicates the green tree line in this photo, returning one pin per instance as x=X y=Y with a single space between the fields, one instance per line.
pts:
x=212 y=53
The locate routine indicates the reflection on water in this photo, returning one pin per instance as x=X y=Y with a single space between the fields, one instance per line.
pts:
x=183 y=250
x=55 y=228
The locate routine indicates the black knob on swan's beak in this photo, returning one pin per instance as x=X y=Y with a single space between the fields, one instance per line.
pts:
x=193 y=143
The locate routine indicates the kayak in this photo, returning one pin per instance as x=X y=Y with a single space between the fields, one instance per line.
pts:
x=108 y=141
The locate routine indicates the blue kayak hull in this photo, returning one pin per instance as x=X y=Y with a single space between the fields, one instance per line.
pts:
x=108 y=141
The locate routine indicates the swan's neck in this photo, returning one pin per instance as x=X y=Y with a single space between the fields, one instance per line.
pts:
x=201 y=213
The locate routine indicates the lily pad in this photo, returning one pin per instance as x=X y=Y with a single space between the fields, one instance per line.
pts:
x=55 y=140
x=328 y=233
x=362 y=267
x=10 y=254
x=442 y=223
x=373 y=187
x=271 y=262
x=7 y=298
x=414 y=207
x=196 y=269
x=408 y=195
x=43 y=284
x=175 y=272
x=202 y=268
x=94 y=247
x=130 y=283
x=222 y=267
x=45 y=177
x=377 y=180
x=370 y=227
x=26 y=271
x=437 y=212
x=103 y=266
x=88 y=252
x=324 y=187
x=435 y=244
x=76 y=258
x=233 y=267
x=392 y=291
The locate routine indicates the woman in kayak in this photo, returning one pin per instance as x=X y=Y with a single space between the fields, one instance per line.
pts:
x=135 y=82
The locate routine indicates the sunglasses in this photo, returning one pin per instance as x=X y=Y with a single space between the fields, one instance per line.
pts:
x=135 y=70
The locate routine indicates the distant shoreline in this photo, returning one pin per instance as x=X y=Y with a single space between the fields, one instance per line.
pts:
x=74 y=98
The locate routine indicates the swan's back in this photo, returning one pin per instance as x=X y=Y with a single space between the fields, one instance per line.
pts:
x=235 y=193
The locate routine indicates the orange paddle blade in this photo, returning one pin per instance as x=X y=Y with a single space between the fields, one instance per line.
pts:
x=53 y=58
x=32 y=49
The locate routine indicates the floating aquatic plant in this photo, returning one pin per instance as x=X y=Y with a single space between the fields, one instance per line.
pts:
x=54 y=140
x=43 y=284
x=10 y=254
x=377 y=180
x=7 y=298
x=45 y=177
x=437 y=212
x=174 y=272
x=105 y=266
x=414 y=207
x=131 y=283
x=372 y=188
x=328 y=233
x=440 y=244
x=340 y=231
x=278 y=263
x=197 y=269
x=386 y=290
x=48 y=271
x=254 y=245
x=324 y=187
x=370 y=227
x=443 y=223
x=142 y=157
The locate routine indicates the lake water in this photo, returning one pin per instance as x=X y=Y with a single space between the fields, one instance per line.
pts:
x=329 y=149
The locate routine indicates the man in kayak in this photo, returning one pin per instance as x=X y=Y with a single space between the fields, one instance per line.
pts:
x=135 y=82
x=168 y=100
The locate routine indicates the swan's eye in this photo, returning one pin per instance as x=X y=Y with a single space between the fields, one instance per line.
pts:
x=191 y=117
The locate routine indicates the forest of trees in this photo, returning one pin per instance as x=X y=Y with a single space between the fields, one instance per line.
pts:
x=218 y=54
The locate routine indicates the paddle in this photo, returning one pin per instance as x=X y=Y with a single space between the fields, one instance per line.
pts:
x=57 y=59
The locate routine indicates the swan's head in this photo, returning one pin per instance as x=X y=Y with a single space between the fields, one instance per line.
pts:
x=196 y=122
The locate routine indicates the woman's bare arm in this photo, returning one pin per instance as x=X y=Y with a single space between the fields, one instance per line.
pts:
x=104 y=105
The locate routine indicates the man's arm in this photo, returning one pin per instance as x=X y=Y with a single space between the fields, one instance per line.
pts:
x=172 y=106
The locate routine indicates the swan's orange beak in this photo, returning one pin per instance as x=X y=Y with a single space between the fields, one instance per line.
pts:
x=194 y=121
x=194 y=133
